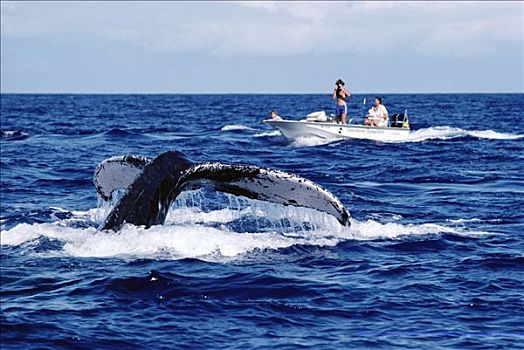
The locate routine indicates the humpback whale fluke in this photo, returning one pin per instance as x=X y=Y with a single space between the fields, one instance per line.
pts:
x=151 y=185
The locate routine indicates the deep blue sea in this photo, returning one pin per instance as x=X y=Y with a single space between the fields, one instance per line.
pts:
x=434 y=257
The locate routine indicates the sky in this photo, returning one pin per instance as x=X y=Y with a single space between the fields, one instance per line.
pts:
x=261 y=47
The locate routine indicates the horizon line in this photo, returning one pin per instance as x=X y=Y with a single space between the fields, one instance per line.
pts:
x=258 y=93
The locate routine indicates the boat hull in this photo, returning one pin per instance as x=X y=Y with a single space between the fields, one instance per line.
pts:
x=293 y=129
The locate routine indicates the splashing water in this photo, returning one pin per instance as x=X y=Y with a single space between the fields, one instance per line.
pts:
x=192 y=231
x=421 y=135
x=269 y=133
x=447 y=132
x=313 y=141
x=235 y=127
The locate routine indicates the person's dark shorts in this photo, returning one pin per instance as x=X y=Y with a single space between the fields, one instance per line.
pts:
x=341 y=109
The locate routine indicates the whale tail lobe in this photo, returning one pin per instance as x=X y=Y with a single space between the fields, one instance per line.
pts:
x=151 y=185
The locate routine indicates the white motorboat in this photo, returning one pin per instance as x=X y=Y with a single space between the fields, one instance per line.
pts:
x=318 y=124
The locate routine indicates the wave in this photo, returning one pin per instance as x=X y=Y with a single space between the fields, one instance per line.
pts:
x=235 y=127
x=421 y=135
x=447 y=132
x=269 y=133
x=473 y=220
x=11 y=135
x=121 y=133
x=214 y=235
x=115 y=132
x=313 y=141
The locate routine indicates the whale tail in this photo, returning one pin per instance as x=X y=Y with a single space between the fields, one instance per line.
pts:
x=151 y=185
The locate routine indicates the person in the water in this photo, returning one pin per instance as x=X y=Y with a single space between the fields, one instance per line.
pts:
x=341 y=94
x=378 y=114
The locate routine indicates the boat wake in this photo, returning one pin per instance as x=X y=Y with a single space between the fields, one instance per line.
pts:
x=421 y=135
x=220 y=234
x=269 y=133
x=235 y=127
x=447 y=132
x=312 y=141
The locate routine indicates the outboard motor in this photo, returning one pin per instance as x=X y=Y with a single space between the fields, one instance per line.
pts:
x=396 y=120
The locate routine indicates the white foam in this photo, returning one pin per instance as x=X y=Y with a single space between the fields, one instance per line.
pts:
x=433 y=133
x=271 y=133
x=11 y=133
x=490 y=134
x=312 y=141
x=235 y=127
x=463 y=221
x=193 y=233
x=371 y=230
x=22 y=233
x=447 y=132
x=473 y=220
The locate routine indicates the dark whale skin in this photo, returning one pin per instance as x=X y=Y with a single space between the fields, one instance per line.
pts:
x=159 y=181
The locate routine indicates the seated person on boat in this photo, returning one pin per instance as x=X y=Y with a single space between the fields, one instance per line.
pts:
x=377 y=115
x=275 y=116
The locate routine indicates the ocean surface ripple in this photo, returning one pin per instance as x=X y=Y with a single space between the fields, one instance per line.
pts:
x=434 y=257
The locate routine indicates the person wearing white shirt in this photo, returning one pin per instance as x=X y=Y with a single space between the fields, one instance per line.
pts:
x=274 y=115
x=377 y=115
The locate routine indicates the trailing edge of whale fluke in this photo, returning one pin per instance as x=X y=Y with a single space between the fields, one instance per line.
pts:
x=151 y=184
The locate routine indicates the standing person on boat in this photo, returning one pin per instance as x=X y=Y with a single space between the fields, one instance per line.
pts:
x=378 y=114
x=341 y=94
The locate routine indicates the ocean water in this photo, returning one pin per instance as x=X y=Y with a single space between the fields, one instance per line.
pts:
x=434 y=257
